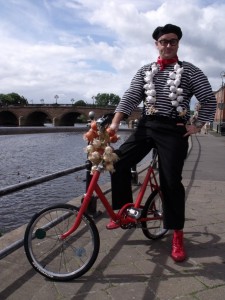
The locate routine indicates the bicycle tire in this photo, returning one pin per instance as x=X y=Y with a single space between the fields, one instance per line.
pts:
x=61 y=260
x=153 y=229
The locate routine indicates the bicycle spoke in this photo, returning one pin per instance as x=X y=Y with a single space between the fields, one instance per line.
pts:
x=61 y=259
x=152 y=217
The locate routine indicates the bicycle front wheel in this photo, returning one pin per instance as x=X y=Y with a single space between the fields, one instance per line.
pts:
x=57 y=259
x=153 y=209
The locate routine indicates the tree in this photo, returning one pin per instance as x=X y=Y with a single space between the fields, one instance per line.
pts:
x=80 y=103
x=5 y=99
x=12 y=99
x=105 y=99
x=81 y=119
x=114 y=99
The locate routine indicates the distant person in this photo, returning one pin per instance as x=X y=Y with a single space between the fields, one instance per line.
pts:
x=206 y=127
x=165 y=87
x=195 y=115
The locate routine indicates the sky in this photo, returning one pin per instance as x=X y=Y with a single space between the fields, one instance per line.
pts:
x=76 y=49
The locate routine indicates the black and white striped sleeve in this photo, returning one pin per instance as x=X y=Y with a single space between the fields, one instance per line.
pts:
x=202 y=90
x=135 y=93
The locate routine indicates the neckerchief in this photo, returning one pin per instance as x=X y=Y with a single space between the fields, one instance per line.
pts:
x=164 y=62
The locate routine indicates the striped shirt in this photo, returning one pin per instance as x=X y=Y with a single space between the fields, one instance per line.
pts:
x=193 y=83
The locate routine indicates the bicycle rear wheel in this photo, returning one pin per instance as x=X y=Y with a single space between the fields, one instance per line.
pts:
x=153 y=229
x=57 y=259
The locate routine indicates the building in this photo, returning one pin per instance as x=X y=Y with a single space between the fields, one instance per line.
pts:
x=219 y=122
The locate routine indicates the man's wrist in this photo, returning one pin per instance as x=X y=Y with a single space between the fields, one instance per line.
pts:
x=114 y=126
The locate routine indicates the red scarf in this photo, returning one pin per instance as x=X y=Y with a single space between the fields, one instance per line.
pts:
x=164 y=62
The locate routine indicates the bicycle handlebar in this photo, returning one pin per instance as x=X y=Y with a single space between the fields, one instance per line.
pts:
x=104 y=121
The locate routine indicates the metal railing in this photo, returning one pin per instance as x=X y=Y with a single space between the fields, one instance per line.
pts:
x=23 y=185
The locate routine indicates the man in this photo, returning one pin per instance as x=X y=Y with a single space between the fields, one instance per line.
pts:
x=166 y=88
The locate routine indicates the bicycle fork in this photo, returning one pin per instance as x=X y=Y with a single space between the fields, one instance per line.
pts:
x=84 y=206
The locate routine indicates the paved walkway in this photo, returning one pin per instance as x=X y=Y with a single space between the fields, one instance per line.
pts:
x=131 y=267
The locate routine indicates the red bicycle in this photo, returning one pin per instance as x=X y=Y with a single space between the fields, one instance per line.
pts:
x=62 y=241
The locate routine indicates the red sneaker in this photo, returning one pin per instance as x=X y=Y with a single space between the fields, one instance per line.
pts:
x=178 y=253
x=112 y=225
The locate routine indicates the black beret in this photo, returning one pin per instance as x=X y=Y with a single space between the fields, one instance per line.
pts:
x=168 y=28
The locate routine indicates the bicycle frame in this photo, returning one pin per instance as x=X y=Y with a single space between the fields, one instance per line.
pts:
x=94 y=187
x=62 y=241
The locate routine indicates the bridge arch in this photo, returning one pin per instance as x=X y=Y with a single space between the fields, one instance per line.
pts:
x=7 y=118
x=37 y=118
x=70 y=118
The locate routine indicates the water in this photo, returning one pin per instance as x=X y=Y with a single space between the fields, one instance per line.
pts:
x=28 y=156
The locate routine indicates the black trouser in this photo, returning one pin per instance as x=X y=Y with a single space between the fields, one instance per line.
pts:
x=167 y=137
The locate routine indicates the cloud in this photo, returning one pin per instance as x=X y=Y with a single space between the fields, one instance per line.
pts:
x=77 y=49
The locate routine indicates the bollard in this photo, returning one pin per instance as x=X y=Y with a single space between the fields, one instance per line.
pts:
x=154 y=155
x=134 y=175
x=135 y=123
x=92 y=207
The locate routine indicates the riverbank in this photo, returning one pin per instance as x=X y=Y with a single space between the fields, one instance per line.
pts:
x=24 y=130
x=27 y=130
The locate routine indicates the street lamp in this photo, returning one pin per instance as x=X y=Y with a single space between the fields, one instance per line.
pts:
x=221 y=104
x=56 y=98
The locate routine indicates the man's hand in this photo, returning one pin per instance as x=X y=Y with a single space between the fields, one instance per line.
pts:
x=114 y=126
x=118 y=117
x=192 y=129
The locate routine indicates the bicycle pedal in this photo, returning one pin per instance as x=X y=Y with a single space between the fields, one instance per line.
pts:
x=134 y=212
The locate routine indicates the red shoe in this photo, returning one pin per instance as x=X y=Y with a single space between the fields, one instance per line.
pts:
x=178 y=253
x=112 y=225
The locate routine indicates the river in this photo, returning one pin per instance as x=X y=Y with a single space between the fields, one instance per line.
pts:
x=28 y=156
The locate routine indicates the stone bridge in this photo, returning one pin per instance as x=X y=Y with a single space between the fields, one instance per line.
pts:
x=58 y=115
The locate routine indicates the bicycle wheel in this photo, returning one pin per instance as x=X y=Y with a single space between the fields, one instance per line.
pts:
x=153 y=229
x=57 y=259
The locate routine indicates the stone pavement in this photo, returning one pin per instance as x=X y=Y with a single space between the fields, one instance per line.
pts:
x=131 y=267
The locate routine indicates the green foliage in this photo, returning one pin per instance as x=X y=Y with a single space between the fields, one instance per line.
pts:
x=5 y=99
x=82 y=119
x=80 y=103
x=105 y=99
x=12 y=99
